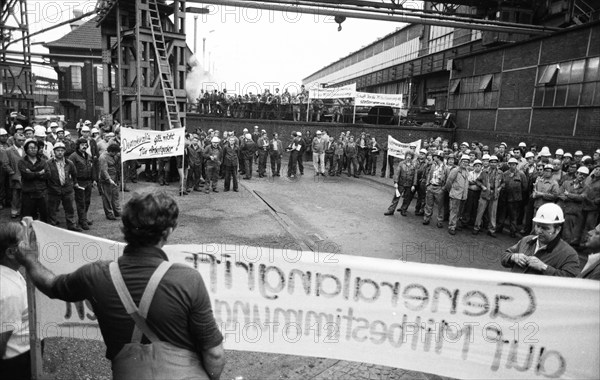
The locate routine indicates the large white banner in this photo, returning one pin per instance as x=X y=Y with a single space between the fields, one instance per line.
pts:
x=137 y=144
x=368 y=99
x=463 y=323
x=348 y=91
x=398 y=149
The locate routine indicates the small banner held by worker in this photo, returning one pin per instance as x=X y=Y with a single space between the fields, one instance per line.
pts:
x=333 y=92
x=398 y=149
x=457 y=322
x=369 y=99
x=138 y=144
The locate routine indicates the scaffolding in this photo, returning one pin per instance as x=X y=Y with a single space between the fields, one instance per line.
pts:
x=144 y=59
x=16 y=80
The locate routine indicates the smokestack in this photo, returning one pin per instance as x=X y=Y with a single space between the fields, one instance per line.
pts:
x=76 y=24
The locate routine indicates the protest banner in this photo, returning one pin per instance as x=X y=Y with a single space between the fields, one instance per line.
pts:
x=457 y=322
x=369 y=99
x=398 y=149
x=138 y=144
x=333 y=92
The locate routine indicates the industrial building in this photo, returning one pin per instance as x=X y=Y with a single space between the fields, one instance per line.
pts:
x=540 y=85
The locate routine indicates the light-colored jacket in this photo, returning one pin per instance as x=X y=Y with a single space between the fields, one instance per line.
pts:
x=457 y=183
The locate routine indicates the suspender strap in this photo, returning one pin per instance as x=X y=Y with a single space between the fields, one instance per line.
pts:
x=141 y=328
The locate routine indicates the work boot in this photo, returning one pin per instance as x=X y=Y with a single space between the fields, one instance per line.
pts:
x=388 y=213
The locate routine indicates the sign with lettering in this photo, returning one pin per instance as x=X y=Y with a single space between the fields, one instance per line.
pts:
x=398 y=149
x=333 y=92
x=457 y=322
x=369 y=99
x=140 y=144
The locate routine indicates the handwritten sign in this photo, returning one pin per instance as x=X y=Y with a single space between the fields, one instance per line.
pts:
x=457 y=322
x=399 y=149
x=333 y=92
x=139 y=144
x=369 y=99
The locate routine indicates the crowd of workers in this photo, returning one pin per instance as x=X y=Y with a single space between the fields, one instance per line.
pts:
x=469 y=185
x=274 y=106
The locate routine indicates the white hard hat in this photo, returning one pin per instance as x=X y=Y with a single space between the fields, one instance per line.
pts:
x=215 y=140
x=559 y=151
x=54 y=124
x=485 y=157
x=522 y=145
x=584 y=170
x=245 y=130
x=95 y=130
x=493 y=158
x=59 y=130
x=579 y=153
x=87 y=122
x=18 y=126
x=318 y=132
x=586 y=157
x=568 y=155
x=39 y=131
x=299 y=134
x=529 y=154
x=3 y=132
x=85 y=128
x=477 y=162
x=248 y=136
x=67 y=133
x=503 y=143
x=59 y=145
x=513 y=161
x=465 y=157
x=48 y=130
x=424 y=151
x=549 y=213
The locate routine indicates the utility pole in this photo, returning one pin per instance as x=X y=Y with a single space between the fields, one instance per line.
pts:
x=195 y=32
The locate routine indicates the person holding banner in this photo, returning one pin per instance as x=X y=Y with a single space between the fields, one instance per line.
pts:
x=544 y=252
x=172 y=334
x=15 y=359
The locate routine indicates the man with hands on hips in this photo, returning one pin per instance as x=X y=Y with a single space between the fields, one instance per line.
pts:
x=545 y=252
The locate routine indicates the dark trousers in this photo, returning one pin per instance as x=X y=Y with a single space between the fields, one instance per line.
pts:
x=292 y=163
x=110 y=199
x=421 y=192
x=390 y=162
x=231 y=173
x=248 y=167
x=361 y=163
x=34 y=206
x=408 y=196
x=353 y=164
x=372 y=167
x=194 y=176
x=68 y=201
x=339 y=164
x=4 y=189
x=275 y=162
x=164 y=167
x=470 y=208
x=262 y=162
x=212 y=177
x=300 y=164
x=329 y=162
x=131 y=173
x=82 y=203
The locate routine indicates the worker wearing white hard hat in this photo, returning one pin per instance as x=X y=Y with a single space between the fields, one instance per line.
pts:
x=490 y=184
x=457 y=186
x=544 y=252
x=213 y=157
x=515 y=184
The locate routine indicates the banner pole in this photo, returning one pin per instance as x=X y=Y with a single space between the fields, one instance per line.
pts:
x=307 y=105
x=387 y=159
x=122 y=182
x=183 y=171
x=35 y=345
x=354 y=113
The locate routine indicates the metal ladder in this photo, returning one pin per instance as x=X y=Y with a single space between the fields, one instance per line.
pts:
x=164 y=69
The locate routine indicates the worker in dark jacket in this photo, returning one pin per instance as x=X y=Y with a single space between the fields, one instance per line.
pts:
x=403 y=182
x=515 y=184
x=545 y=252
x=231 y=160
x=195 y=155
x=34 y=191
x=62 y=181
x=247 y=149
x=84 y=167
x=212 y=157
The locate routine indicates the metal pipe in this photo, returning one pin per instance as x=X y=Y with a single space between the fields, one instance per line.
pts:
x=20 y=53
x=374 y=15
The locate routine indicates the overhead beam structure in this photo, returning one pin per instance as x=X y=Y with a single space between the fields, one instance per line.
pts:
x=386 y=11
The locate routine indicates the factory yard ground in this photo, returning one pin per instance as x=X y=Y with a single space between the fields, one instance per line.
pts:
x=336 y=215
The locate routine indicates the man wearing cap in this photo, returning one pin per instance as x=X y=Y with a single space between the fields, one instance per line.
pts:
x=351 y=152
x=403 y=182
x=318 y=156
x=62 y=180
x=457 y=186
x=275 y=153
x=491 y=182
x=34 y=196
x=84 y=168
x=262 y=145
x=578 y=156
x=591 y=201
x=29 y=132
x=329 y=155
x=544 y=252
x=571 y=194
x=515 y=184
x=92 y=150
x=294 y=149
x=195 y=158
x=433 y=180
x=545 y=189
x=45 y=146
x=420 y=181
x=213 y=155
